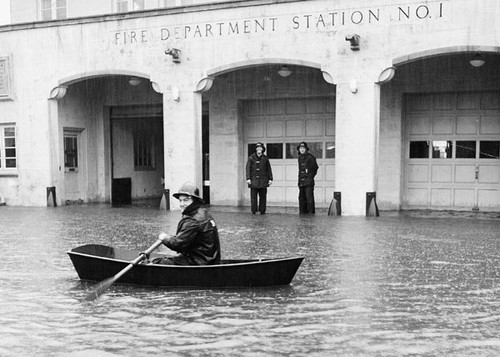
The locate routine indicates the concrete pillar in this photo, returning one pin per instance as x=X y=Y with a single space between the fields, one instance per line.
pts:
x=56 y=144
x=356 y=144
x=182 y=140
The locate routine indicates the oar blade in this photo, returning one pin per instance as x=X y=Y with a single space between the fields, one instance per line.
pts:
x=99 y=289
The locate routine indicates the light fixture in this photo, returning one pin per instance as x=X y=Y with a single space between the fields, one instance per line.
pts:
x=134 y=81
x=284 y=71
x=175 y=53
x=354 y=40
x=386 y=75
x=477 y=61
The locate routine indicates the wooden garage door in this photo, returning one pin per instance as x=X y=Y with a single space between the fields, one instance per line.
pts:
x=453 y=149
x=281 y=125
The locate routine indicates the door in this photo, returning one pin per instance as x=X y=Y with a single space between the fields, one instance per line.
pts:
x=453 y=150
x=73 y=168
x=281 y=124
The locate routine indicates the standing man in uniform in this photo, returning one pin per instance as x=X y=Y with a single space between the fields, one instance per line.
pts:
x=259 y=178
x=307 y=170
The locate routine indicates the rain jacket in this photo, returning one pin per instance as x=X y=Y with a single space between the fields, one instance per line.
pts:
x=307 y=169
x=259 y=171
x=197 y=237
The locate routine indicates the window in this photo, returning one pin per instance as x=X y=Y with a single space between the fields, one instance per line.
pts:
x=465 y=149
x=71 y=153
x=143 y=151
x=330 y=150
x=52 y=9
x=128 y=5
x=8 y=152
x=419 y=150
x=442 y=149
x=489 y=149
x=274 y=151
x=315 y=148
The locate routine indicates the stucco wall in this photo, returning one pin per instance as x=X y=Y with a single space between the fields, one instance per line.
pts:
x=218 y=41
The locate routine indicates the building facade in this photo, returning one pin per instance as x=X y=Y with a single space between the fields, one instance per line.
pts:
x=398 y=98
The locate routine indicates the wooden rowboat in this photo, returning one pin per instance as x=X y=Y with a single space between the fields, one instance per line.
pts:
x=97 y=262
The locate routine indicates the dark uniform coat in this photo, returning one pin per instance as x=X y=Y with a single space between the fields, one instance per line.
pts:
x=259 y=171
x=307 y=169
x=197 y=237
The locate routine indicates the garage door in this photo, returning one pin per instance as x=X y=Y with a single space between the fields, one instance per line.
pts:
x=453 y=148
x=281 y=125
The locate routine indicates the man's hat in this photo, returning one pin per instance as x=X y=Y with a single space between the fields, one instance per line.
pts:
x=261 y=145
x=303 y=144
x=188 y=189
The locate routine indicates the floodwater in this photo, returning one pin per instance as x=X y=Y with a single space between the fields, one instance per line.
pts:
x=397 y=285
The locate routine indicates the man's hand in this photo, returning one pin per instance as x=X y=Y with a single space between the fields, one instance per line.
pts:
x=270 y=182
x=164 y=236
x=249 y=181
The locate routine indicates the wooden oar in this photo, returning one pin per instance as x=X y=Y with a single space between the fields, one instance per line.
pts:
x=99 y=288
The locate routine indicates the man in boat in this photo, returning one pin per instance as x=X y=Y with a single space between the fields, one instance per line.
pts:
x=197 y=237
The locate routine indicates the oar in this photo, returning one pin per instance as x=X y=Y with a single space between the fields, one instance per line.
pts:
x=99 y=288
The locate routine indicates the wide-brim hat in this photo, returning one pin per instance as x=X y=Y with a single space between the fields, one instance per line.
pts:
x=261 y=145
x=188 y=189
x=303 y=144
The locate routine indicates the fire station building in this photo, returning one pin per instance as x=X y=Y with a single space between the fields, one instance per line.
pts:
x=395 y=98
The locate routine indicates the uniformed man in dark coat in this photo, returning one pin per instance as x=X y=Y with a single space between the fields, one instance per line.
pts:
x=259 y=178
x=307 y=170
x=197 y=237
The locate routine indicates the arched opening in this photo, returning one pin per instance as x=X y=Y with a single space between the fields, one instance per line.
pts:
x=109 y=138
x=442 y=110
x=279 y=103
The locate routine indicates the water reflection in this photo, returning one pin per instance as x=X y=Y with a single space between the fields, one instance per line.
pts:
x=395 y=285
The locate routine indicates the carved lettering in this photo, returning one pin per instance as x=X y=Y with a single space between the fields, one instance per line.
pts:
x=314 y=21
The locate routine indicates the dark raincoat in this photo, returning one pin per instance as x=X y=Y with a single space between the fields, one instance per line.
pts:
x=197 y=237
x=307 y=169
x=258 y=170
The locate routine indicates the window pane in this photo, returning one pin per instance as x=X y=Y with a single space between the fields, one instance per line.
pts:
x=46 y=15
x=442 y=149
x=466 y=150
x=10 y=152
x=61 y=3
x=121 y=5
x=291 y=150
x=330 y=150
x=419 y=150
x=10 y=163
x=143 y=151
x=489 y=149
x=61 y=14
x=46 y=4
x=10 y=142
x=138 y=5
x=316 y=149
x=251 y=149
x=274 y=151
x=9 y=132
x=70 y=152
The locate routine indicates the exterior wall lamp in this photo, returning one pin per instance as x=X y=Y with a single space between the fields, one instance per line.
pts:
x=354 y=40
x=284 y=71
x=175 y=53
x=477 y=61
x=134 y=81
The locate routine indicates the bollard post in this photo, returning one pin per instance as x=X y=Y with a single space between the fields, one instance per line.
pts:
x=51 y=196
x=165 y=200
x=371 y=205
x=336 y=205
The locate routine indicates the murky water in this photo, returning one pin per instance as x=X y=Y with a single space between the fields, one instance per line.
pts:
x=396 y=285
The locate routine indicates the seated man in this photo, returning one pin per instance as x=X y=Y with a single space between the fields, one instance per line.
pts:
x=197 y=237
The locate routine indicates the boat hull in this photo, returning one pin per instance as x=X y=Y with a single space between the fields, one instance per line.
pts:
x=98 y=262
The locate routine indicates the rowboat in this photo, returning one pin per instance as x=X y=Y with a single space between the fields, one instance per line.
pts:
x=97 y=262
